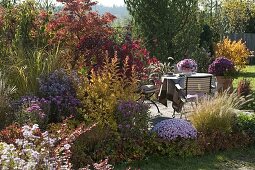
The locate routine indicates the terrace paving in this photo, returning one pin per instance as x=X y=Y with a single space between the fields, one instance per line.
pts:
x=165 y=112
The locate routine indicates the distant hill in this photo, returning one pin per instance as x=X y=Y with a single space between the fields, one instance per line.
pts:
x=118 y=11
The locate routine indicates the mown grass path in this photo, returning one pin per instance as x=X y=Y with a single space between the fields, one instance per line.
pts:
x=241 y=159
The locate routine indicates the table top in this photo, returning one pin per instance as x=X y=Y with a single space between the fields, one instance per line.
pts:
x=178 y=76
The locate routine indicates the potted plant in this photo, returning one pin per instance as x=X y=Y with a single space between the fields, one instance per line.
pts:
x=187 y=66
x=165 y=68
x=160 y=69
x=224 y=70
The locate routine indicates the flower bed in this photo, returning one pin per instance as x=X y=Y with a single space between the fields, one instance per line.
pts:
x=65 y=72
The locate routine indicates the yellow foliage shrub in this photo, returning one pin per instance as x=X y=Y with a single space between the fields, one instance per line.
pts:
x=236 y=51
x=100 y=94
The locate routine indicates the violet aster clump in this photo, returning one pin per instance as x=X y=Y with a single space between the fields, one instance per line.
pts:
x=171 y=129
x=221 y=66
x=132 y=118
x=59 y=89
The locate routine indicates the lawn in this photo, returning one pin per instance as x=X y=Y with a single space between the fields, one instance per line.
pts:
x=235 y=159
x=248 y=73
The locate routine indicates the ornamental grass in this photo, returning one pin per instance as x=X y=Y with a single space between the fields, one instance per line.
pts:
x=216 y=113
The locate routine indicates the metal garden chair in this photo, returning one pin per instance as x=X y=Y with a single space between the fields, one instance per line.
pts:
x=195 y=88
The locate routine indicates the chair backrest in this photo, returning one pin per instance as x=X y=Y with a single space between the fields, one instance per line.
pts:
x=195 y=85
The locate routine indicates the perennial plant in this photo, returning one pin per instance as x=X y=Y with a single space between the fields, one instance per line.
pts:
x=172 y=129
x=132 y=118
x=59 y=90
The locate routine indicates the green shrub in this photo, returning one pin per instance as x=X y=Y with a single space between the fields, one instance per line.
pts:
x=216 y=113
x=218 y=141
x=178 y=148
x=129 y=142
x=95 y=145
x=201 y=57
x=249 y=102
x=246 y=123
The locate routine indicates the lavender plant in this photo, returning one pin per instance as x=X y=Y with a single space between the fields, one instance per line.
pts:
x=172 y=129
x=58 y=89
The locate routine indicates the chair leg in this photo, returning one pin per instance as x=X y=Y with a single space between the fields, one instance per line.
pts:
x=183 y=111
x=147 y=97
x=154 y=104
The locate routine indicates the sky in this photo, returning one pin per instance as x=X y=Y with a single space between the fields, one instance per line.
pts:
x=111 y=2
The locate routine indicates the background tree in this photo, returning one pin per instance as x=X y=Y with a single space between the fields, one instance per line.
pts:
x=211 y=18
x=75 y=22
x=169 y=28
x=237 y=14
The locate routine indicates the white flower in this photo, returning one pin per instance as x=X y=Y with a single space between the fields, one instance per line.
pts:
x=51 y=141
x=4 y=157
x=45 y=134
x=27 y=133
x=19 y=142
x=35 y=127
x=35 y=154
x=67 y=146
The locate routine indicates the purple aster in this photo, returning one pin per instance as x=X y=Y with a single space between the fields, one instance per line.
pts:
x=171 y=129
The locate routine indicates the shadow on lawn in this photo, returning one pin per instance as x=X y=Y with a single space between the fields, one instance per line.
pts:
x=235 y=159
x=158 y=119
x=247 y=75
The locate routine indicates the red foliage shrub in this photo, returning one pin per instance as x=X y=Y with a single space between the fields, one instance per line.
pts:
x=11 y=133
x=221 y=141
x=93 y=50
x=244 y=88
x=77 y=21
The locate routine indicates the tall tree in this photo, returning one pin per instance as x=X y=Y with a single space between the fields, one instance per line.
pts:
x=168 y=27
x=211 y=15
x=237 y=14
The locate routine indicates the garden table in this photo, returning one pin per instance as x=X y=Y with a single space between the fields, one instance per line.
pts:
x=169 y=92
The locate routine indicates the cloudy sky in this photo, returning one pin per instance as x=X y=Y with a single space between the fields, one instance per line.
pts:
x=111 y=2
